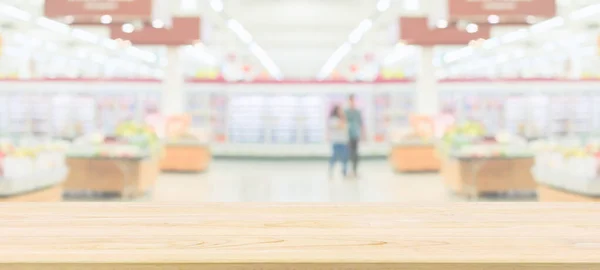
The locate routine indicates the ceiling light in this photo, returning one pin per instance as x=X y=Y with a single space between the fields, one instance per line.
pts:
x=189 y=5
x=110 y=44
x=494 y=19
x=15 y=13
x=412 y=5
x=217 y=5
x=106 y=19
x=547 y=25
x=128 y=28
x=514 y=36
x=442 y=24
x=334 y=60
x=491 y=43
x=585 y=12
x=472 y=28
x=53 y=25
x=158 y=24
x=239 y=30
x=359 y=32
x=383 y=5
x=84 y=35
x=266 y=61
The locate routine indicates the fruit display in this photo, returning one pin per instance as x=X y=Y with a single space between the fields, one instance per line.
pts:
x=130 y=140
x=28 y=165
x=572 y=164
x=469 y=140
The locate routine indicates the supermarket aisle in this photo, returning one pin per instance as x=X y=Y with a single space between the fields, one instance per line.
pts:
x=298 y=181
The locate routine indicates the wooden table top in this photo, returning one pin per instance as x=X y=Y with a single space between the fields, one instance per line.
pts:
x=299 y=236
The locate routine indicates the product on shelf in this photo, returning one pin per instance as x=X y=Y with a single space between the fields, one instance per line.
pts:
x=570 y=164
x=27 y=165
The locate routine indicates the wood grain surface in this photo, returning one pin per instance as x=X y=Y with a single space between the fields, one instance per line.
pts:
x=299 y=236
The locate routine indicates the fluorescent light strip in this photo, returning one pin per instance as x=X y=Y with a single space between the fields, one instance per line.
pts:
x=53 y=25
x=14 y=12
x=547 y=25
x=585 y=12
x=217 y=5
x=541 y=27
x=85 y=36
x=200 y=53
x=360 y=31
x=383 y=5
x=355 y=36
x=145 y=55
x=239 y=30
x=334 y=60
x=266 y=61
x=62 y=28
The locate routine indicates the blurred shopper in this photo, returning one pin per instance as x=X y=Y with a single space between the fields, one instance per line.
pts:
x=338 y=136
x=355 y=132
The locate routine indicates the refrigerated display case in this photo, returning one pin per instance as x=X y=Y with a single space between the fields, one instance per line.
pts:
x=247 y=115
x=218 y=117
x=311 y=114
x=282 y=114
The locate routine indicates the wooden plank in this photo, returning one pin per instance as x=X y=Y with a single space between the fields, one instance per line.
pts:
x=50 y=194
x=299 y=236
x=549 y=194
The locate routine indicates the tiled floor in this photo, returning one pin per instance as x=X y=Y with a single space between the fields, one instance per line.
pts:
x=299 y=181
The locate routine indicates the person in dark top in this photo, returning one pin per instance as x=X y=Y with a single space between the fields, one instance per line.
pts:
x=356 y=132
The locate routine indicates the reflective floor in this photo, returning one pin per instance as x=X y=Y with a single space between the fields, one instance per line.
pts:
x=299 y=181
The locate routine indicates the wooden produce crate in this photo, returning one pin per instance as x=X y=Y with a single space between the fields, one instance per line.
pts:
x=49 y=194
x=414 y=158
x=551 y=194
x=186 y=158
x=470 y=176
x=128 y=177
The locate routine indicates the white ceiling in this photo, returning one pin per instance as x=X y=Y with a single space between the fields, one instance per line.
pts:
x=300 y=35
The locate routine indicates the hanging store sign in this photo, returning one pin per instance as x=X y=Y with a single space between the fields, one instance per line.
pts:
x=105 y=11
x=183 y=31
x=416 y=31
x=499 y=11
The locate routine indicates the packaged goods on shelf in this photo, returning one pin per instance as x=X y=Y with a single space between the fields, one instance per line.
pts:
x=28 y=165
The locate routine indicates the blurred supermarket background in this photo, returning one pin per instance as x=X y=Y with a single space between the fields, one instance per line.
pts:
x=229 y=100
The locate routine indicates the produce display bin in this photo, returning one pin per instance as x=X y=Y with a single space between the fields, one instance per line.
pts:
x=548 y=193
x=129 y=177
x=186 y=157
x=52 y=193
x=414 y=157
x=476 y=176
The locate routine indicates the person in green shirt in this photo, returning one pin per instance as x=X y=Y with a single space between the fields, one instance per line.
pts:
x=354 y=120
